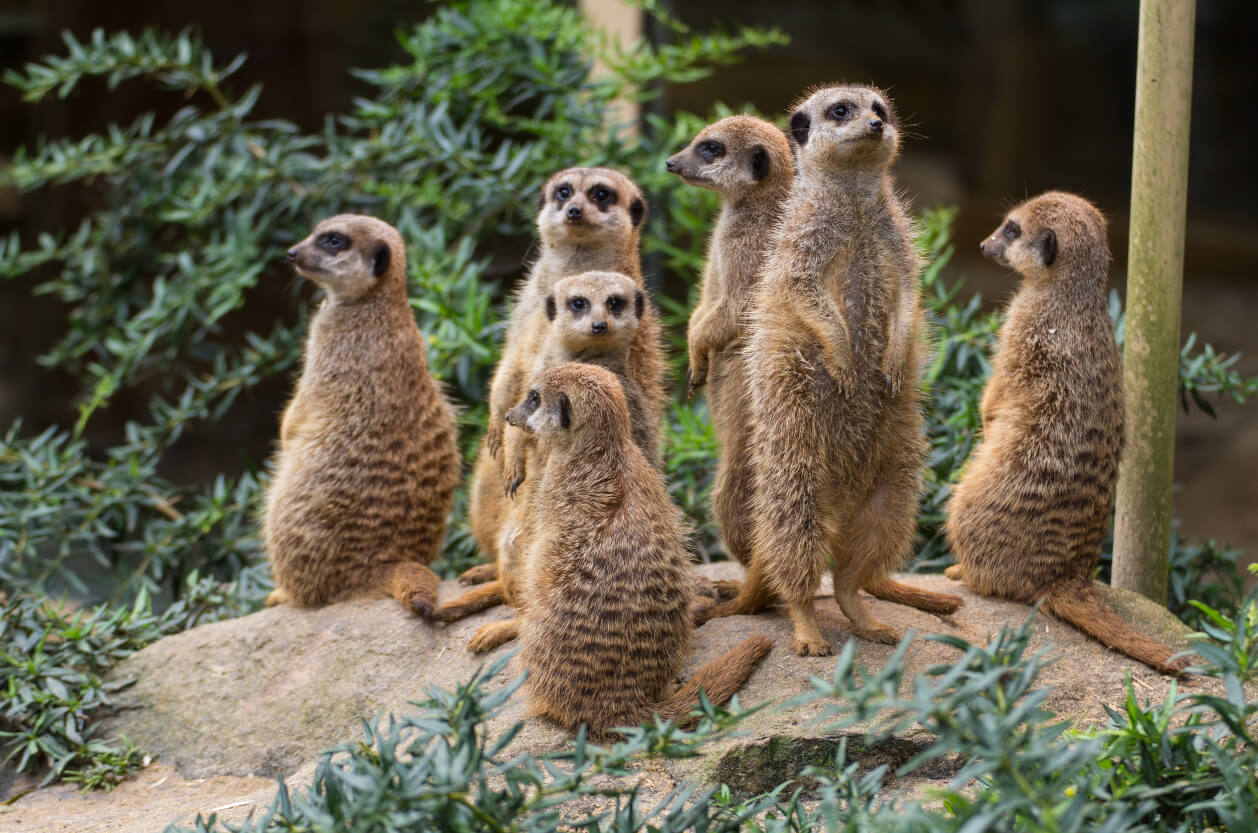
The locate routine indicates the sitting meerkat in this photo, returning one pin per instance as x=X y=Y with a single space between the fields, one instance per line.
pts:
x=594 y=318
x=748 y=162
x=588 y=219
x=367 y=462
x=833 y=363
x=606 y=622
x=1027 y=518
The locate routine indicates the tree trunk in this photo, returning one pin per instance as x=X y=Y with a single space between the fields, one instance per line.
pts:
x=1155 y=268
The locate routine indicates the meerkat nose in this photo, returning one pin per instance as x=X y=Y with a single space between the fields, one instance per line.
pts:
x=292 y=255
x=982 y=247
x=875 y=125
x=599 y=327
x=671 y=164
x=574 y=212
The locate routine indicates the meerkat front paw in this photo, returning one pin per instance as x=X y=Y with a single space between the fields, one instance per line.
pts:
x=493 y=436
x=893 y=377
x=728 y=588
x=490 y=636
x=955 y=572
x=879 y=633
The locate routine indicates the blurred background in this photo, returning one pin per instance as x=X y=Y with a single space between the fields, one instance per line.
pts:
x=1003 y=100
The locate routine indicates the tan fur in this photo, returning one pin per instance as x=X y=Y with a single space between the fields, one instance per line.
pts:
x=833 y=363
x=605 y=238
x=1027 y=518
x=368 y=462
x=593 y=318
x=606 y=621
x=748 y=162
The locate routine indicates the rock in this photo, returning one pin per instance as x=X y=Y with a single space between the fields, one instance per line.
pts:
x=263 y=695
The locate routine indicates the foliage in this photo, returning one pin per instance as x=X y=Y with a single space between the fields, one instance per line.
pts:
x=442 y=770
x=188 y=213
x=1185 y=764
x=52 y=663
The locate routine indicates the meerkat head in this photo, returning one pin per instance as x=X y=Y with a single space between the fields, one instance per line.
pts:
x=350 y=255
x=574 y=404
x=595 y=313
x=590 y=206
x=734 y=156
x=845 y=127
x=1053 y=234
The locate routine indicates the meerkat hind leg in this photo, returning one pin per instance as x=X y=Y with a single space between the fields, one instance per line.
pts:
x=481 y=597
x=479 y=574
x=753 y=596
x=807 y=640
x=956 y=572
x=278 y=596
x=493 y=634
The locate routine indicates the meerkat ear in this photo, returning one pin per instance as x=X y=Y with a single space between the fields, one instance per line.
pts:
x=550 y=307
x=639 y=303
x=380 y=259
x=565 y=412
x=800 y=123
x=1046 y=245
x=760 y=164
x=637 y=211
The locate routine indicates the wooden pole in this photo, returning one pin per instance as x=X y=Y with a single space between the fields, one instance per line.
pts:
x=622 y=23
x=1155 y=271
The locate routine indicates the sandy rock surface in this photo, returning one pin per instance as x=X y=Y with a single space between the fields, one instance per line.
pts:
x=227 y=707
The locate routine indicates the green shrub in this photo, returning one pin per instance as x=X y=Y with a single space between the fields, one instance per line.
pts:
x=190 y=212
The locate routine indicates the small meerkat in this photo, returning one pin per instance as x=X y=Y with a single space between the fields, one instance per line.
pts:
x=594 y=318
x=748 y=162
x=1027 y=518
x=833 y=361
x=368 y=461
x=606 y=622
x=588 y=219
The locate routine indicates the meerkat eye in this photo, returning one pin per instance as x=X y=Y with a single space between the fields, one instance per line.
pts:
x=839 y=111
x=333 y=242
x=615 y=302
x=578 y=304
x=1011 y=230
x=563 y=192
x=880 y=111
x=600 y=194
x=711 y=150
x=534 y=399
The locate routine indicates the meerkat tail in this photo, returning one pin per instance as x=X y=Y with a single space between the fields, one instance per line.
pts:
x=479 y=574
x=719 y=679
x=906 y=594
x=414 y=585
x=1084 y=608
x=475 y=600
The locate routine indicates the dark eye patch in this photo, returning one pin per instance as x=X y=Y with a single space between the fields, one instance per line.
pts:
x=880 y=111
x=602 y=196
x=615 y=302
x=578 y=304
x=1012 y=230
x=534 y=399
x=710 y=150
x=332 y=241
x=563 y=192
x=841 y=111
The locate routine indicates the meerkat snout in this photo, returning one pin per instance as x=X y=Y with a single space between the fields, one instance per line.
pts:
x=598 y=327
x=574 y=213
x=875 y=125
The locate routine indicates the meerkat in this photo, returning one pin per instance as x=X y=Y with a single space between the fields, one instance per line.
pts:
x=748 y=162
x=588 y=219
x=368 y=461
x=593 y=318
x=1027 y=518
x=833 y=361
x=608 y=589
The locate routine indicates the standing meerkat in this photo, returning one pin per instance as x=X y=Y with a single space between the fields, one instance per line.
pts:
x=368 y=461
x=1027 y=518
x=833 y=362
x=588 y=219
x=608 y=587
x=748 y=162
x=594 y=318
